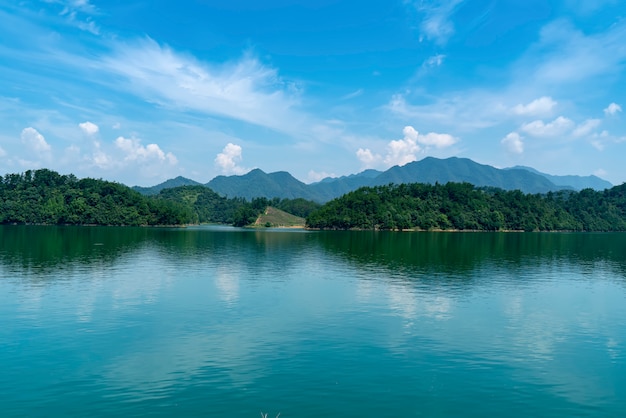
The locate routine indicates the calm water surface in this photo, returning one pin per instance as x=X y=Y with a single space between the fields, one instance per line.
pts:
x=225 y=322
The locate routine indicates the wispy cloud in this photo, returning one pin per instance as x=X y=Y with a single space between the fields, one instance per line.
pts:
x=245 y=90
x=542 y=106
x=78 y=13
x=436 y=19
x=612 y=109
x=565 y=55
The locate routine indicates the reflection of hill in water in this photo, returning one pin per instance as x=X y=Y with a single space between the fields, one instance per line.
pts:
x=460 y=253
x=40 y=249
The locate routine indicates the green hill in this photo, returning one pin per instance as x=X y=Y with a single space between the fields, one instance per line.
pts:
x=277 y=218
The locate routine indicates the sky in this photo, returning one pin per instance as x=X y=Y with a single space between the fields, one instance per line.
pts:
x=142 y=91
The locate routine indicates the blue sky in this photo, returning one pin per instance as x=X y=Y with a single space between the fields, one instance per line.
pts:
x=142 y=91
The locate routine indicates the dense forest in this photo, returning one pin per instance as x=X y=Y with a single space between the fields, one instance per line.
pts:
x=461 y=206
x=46 y=197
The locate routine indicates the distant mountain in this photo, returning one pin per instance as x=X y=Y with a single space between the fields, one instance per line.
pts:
x=430 y=170
x=576 y=182
x=329 y=188
x=168 y=184
x=257 y=183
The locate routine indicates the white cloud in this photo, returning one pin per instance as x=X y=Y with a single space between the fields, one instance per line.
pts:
x=352 y=95
x=368 y=158
x=89 y=128
x=612 y=109
x=35 y=141
x=600 y=172
x=539 y=107
x=228 y=160
x=245 y=90
x=315 y=176
x=513 y=143
x=557 y=127
x=436 y=24
x=134 y=151
x=566 y=55
x=3 y=153
x=116 y=125
x=405 y=150
x=586 y=127
x=434 y=61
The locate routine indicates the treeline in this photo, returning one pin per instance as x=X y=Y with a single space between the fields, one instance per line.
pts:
x=461 y=206
x=209 y=207
x=49 y=198
x=46 y=197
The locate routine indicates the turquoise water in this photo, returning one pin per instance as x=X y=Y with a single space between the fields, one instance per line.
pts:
x=214 y=321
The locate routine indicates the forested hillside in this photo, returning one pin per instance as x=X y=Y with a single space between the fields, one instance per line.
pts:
x=462 y=206
x=209 y=207
x=46 y=197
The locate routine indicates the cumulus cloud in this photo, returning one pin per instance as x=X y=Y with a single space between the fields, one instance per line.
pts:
x=228 y=160
x=134 y=151
x=557 y=127
x=367 y=157
x=586 y=127
x=513 y=143
x=35 y=141
x=539 y=107
x=612 y=109
x=89 y=128
x=405 y=150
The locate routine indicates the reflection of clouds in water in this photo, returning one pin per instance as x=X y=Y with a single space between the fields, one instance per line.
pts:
x=225 y=356
x=134 y=287
x=227 y=283
x=613 y=348
x=535 y=329
x=402 y=300
x=30 y=299
x=365 y=290
x=411 y=304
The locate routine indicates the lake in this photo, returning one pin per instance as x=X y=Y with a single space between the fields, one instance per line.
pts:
x=225 y=322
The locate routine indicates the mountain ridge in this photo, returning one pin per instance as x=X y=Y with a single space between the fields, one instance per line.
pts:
x=431 y=170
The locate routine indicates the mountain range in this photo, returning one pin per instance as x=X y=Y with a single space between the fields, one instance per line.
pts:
x=430 y=170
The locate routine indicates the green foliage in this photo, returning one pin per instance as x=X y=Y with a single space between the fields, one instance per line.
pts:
x=461 y=206
x=46 y=197
x=209 y=207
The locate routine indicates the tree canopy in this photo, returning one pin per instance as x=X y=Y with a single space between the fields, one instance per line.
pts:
x=47 y=197
x=462 y=206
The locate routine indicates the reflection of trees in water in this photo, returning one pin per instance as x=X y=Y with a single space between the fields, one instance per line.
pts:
x=454 y=255
x=40 y=249
x=428 y=255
